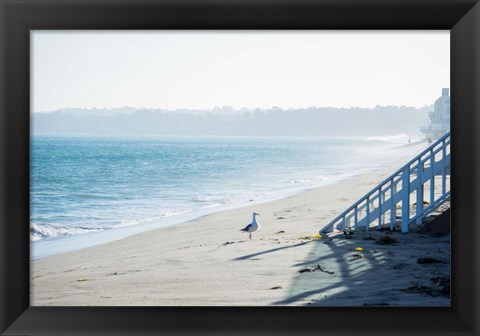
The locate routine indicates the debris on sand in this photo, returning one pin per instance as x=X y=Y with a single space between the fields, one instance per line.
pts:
x=320 y=268
x=348 y=233
x=317 y=236
x=276 y=287
x=386 y=240
x=228 y=243
x=280 y=217
x=281 y=231
x=315 y=269
x=424 y=203
x=429 y=260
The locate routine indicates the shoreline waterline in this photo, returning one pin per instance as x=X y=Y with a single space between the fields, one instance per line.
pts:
x=69 y=243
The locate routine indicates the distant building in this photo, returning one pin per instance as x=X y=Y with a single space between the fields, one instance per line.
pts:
x=439 y=120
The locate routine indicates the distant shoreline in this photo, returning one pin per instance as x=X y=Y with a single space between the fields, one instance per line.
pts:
x=310 y=121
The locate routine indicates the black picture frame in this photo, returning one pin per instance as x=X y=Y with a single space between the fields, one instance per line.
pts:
x=18 y=17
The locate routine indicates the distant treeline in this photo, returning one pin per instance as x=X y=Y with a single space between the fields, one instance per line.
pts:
x=381 y=120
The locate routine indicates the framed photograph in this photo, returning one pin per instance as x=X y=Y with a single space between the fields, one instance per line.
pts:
x=239 y=168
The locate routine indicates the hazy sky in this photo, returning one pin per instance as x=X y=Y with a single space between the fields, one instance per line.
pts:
x=174 y=69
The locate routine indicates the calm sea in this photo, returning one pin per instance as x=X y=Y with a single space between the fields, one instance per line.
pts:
x=86 y=184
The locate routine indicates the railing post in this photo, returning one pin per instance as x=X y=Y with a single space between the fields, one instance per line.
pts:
x=444 y=170
x=432 y=177
x=393 y=205
x=368 y=214
x=381 y=199
x=419 y=192
x=405 y=199
x=355 y=218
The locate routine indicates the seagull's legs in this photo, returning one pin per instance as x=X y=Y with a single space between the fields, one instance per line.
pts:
x=250 y=236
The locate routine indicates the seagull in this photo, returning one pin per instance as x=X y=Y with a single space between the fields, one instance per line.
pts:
x=253 y=226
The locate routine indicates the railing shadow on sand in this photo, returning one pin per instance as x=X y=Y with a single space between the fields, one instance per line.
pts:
x=340 y=275
x=341 y=272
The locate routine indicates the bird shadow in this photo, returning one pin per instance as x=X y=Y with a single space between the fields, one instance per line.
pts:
x=253 y=255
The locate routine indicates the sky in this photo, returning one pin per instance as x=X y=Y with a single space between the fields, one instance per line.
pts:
x=242 y=69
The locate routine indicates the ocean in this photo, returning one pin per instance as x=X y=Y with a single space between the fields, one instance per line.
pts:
x=92 y=189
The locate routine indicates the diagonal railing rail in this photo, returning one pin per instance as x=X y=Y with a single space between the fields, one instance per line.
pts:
x=393 y=197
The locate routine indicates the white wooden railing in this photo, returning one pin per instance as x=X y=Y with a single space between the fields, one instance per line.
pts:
x=415 y=181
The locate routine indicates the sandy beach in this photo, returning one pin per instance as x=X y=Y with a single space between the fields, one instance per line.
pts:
x=209 y=261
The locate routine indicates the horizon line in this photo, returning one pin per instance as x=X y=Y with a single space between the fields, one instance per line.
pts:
x=236 y=109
